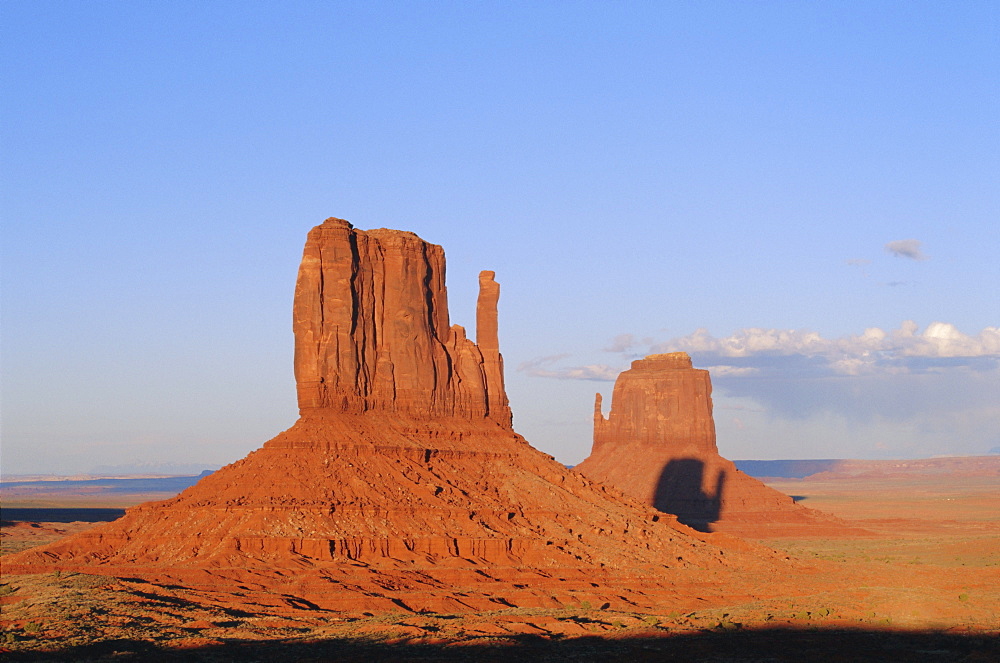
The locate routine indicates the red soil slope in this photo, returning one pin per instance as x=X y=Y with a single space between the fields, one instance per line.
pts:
x=403 y=484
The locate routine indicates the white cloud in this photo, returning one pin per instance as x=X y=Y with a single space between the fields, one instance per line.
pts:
x=542 y=367
x=847 y=355
x=904 y=392
x=913 y=391
x=628 y=344
x=622 y=343
x=731 y=371
x=906 y=248
x=941 y=339
x=786 y=353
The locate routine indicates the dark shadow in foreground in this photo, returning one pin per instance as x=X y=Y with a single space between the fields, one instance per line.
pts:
x=10 y=516
x=679 y=491
x=777 y=644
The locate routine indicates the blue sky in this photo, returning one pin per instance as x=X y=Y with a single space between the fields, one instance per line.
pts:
x=756 y=183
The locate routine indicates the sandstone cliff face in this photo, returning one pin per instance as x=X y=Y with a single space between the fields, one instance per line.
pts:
x=402 y=484
x=658 y=445
x=372 y=330
x=661 y=397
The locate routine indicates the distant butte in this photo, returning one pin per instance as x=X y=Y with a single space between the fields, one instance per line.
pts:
x=658 y=445
x=403 y=485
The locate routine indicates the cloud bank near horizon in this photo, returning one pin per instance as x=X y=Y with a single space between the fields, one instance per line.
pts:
x=755 y=351
x=899 y=392
x=545 y=367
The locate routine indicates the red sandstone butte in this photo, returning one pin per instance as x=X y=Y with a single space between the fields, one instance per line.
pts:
x=372 y=332
x=403 y=484
x=658 y=445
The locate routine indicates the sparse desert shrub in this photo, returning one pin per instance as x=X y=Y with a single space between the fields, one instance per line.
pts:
x=32 y=627
x=725 y=624
x=963 y=597
x=7 y=589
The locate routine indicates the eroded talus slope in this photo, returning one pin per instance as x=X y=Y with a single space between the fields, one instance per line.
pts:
x=658 y=445
x=403 y=481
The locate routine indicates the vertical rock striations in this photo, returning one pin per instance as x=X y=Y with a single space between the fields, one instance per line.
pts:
x=489 y=345
x=402 y=485
x=658 y=445
x=372 y=332
x=662 y=397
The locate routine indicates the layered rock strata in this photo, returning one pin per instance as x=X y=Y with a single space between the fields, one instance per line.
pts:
x=403 y=484
x=658 y=445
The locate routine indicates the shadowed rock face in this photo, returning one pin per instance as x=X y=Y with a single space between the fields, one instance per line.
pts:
x=402 y=484
x=372 y=330
x=658 y=445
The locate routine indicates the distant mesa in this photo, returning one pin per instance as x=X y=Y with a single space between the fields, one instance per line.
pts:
x=161 y=469
x=786 y=469
x=403 y=485
x=943 y=466
x=658 y=445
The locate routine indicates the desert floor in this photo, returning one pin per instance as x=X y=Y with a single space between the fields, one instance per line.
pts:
x=923 y=586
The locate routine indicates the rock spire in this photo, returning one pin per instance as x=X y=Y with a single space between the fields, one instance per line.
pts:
x=402 y=485
x=372 y=332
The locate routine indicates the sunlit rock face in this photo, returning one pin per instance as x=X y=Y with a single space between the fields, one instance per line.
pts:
x=660 y=398
x=402 y=485
x=658 y=445
x=372 y=330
